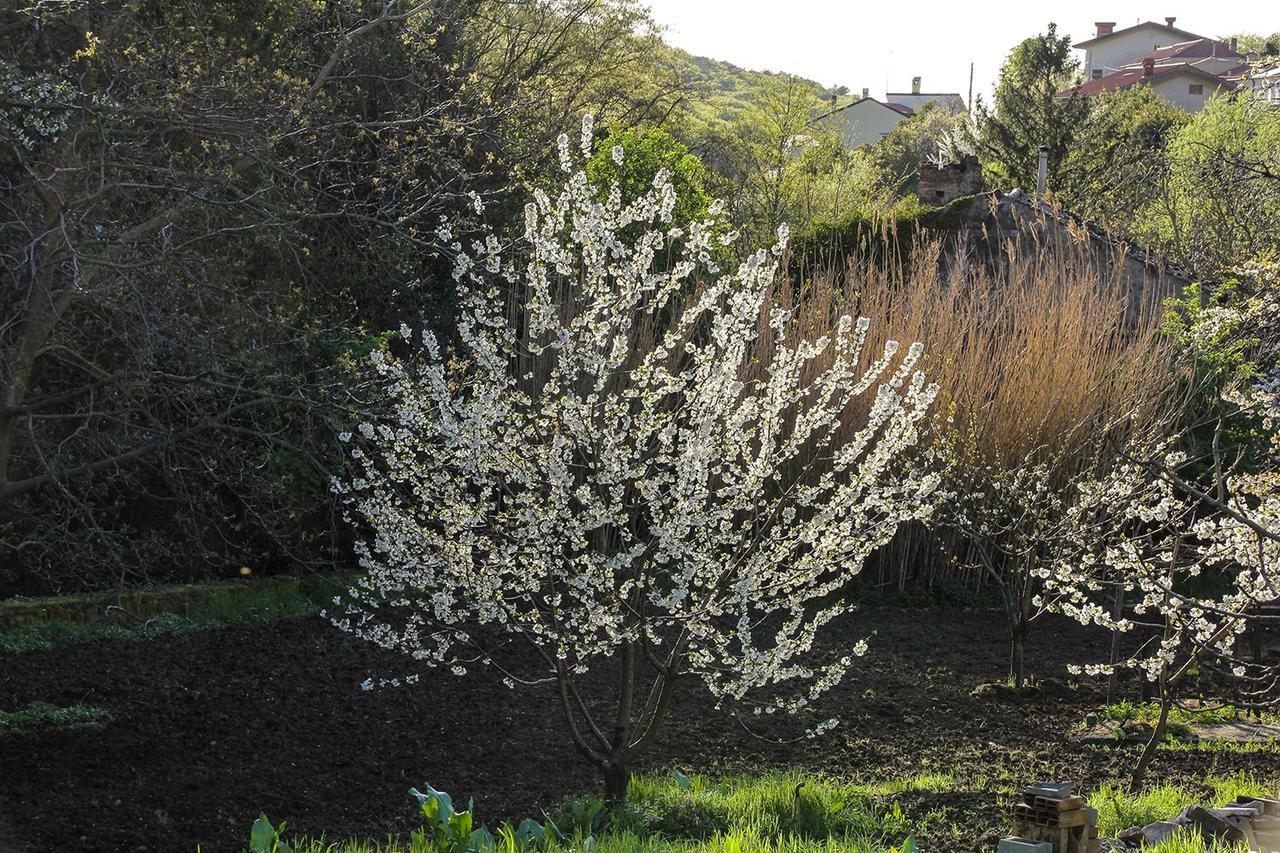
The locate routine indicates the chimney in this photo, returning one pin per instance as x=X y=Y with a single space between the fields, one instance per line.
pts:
x=866 y=93
x=915 y=85
x=1168 y=22
x=1148 y=66
x=1105 y=28
x=834 y=96
x=1235 y=45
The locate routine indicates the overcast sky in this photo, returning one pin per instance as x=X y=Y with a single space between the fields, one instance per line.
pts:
x=882 y=44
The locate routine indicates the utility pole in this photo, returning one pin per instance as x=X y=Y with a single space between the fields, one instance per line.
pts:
x=970 y=103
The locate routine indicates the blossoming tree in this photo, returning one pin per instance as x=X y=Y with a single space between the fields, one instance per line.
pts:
x=592 y=470
x=1192 y=545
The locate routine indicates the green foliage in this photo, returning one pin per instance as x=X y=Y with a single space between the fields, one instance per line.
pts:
x=1226 y=333
x=1190 y=841
x=1028 y=113
x=265 y=838
x=645 y=153
x=1180 y=719
x=214 y=608
x=451 y=831
x=39 y=716
x=275 y=207
x=1263 y=45
x=720 y=93
x=1208 y=324
x=775 y=805
x=1224 y=747
x=932 y=135
x=772 y=813
x=774 y=165
x=1203 y=188
x=1118 y=165
x=1224 y=184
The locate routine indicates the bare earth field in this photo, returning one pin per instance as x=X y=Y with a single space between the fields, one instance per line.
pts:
x=212 y=727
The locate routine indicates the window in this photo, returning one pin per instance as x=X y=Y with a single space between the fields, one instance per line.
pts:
x=1097 y=73
x=1195 y=89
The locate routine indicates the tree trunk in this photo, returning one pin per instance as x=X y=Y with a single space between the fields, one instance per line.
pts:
x=1157 y=735
x=1021 y=630
x=1017 y=657
x=616 y=778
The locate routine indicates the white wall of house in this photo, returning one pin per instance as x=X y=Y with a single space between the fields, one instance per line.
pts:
x=1188 y=91
x=945 y=100
x=864 y=123
x=1266 y=84
x=1124 y=48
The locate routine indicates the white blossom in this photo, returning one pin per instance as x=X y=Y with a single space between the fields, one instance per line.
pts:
x=640 y=460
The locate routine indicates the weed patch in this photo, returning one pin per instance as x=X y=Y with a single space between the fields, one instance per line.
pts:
x=40 y=716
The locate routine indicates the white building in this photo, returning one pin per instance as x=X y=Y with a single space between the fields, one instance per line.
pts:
x=864 y=122
x=1265 y=81
x=1111 y=49
x=915 y=99
x=1180 y=67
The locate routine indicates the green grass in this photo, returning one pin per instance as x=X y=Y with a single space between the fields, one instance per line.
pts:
x=1180 y=720
x=1191 y=842
x=217 y=607
x=1118 y=810
x=40 y=716
x=767 y=814
x=771 y=813
x=1228 y=747
x=776 y=805
x=741 y=841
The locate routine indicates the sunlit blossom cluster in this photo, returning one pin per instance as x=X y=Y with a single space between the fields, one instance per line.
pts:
x=1146 y=529
x=593 y=466
x=1139 y=532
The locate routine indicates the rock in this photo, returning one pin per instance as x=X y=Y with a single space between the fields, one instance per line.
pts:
x=1152 y=833
x=1266 y=834
x=1212 y=823
x=1054 y=687
x=1002 y=691
x=1271 y=808
x=1023 y=845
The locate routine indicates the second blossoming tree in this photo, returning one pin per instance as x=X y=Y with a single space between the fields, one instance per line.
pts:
x=624 y=456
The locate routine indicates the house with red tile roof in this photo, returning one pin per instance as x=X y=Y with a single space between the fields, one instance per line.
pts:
x=1181 y=67
x=1111 y=49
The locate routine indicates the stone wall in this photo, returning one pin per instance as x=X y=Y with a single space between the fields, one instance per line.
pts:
x=940 y=186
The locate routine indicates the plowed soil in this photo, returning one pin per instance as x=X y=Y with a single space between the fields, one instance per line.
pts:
x=210 y=728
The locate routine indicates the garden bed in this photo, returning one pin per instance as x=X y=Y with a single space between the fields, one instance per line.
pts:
x=210 y=727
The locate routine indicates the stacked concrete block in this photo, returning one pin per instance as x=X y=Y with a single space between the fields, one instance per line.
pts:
x=1022 y=845
x=1050 y=814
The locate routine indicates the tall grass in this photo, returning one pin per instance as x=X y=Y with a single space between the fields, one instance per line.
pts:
x=1047 y=355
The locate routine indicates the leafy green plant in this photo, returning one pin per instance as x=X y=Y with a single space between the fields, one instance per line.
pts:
x=44 y=715
x=452 y=830
x=265 y=838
